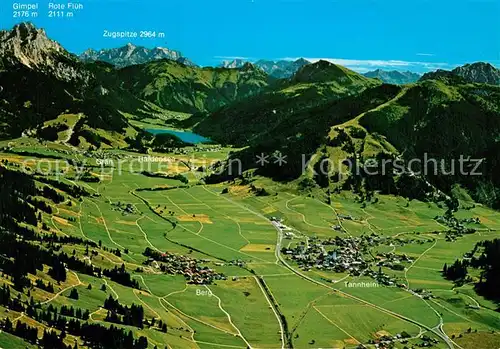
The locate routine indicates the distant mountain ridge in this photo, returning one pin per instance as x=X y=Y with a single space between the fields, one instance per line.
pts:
x=233 y=64
x=329 y=112
x=393 y=77
x=479 y=72
x=323 y=109
x=266 y=117
x=131 y=55
x=182 y=88
x=277 y=69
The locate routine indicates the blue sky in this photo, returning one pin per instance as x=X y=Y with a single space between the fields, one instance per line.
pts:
x=417 y=35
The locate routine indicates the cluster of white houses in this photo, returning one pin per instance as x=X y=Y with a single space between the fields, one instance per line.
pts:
x=314 y=254
x=393 y=260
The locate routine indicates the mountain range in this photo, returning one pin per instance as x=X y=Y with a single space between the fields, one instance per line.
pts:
x=394 y=77
x=47 y=86
x=131 y=55
x=436 y=119
x=322 y=111
x=276 y=112
x=277 y=69
x=326 y=112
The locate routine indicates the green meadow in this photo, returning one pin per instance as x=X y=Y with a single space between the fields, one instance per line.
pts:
x=263 y=303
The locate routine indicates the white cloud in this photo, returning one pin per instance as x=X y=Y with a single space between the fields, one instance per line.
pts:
x=362 y=70
x=364 y=65
x=426 y=54
x=233 y=57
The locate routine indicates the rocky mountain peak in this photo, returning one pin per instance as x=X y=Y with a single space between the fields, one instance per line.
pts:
x=479 y=72
x=278 y=69
x=27 y=45
x=235 y=63
x=131 y=54
x=24 y=30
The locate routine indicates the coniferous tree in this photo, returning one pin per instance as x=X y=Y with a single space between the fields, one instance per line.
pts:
x=58 y=270
x=74 y=294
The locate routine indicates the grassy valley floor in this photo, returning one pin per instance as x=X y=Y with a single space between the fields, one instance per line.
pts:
x=267 y=300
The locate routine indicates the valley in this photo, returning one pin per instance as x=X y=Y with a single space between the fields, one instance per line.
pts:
x=259 y=296
x=148 y=202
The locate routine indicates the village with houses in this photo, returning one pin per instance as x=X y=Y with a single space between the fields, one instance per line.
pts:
x=174 y=264
x=358 y=256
